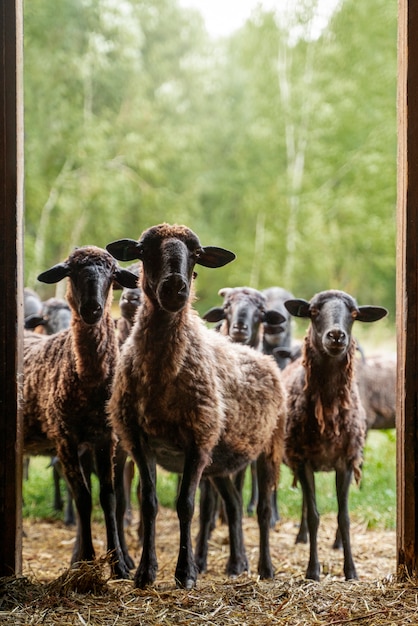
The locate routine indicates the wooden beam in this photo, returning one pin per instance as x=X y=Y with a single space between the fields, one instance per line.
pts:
x=407 y=289
x=11 y=287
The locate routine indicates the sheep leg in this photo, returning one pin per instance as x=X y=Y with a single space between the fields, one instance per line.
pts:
x=128 y=476
x=237 y=562
x=104 y=456
x=307 y=481
x=69 y=517
x=343 y=480
x=58 y=503
x=207 y=512
x=145 y=460
x=120 y=493
x=254 y=489
x=194 y=463
x=265 y=478
x=81 y=491
x=302 y=536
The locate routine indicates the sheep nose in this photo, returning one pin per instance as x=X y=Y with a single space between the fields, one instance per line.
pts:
x=173 y=292
x=240 y=326
x=337 y=336
x=91 y=312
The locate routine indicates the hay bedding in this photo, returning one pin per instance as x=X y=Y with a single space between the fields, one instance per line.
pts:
x=50 y=593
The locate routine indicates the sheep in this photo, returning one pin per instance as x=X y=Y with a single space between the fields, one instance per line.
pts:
x=376 y=377
x=243 y=314
x=54 y=316
x=129 y=301
x=32 y=304
x=48 y=317
x=274 y=336
x=67 y=379
x=326 y=424
x=188 y=399
x=242 y=317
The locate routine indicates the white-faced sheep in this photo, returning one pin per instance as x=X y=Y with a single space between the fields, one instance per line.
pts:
x=188 y=399
x=326 y=426
x=67 y=381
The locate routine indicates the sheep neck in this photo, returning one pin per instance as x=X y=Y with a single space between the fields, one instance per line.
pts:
x=95 y=347
x=328 y=382
x=163 y=337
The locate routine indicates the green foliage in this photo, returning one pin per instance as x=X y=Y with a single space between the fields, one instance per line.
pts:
x=282 y=149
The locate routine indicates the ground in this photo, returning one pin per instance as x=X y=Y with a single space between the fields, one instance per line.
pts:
x=49 y=593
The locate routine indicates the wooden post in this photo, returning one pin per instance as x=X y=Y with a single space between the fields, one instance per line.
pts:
x=11 y=287
x=407 y=289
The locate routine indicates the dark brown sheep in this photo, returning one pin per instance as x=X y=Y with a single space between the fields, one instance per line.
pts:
x=188 y=399
x=67 y=381
x=326 y=425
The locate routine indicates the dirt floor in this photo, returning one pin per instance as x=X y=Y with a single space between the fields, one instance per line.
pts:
x=50 y=593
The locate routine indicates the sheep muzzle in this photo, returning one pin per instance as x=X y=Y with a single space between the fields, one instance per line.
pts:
x=173 y=293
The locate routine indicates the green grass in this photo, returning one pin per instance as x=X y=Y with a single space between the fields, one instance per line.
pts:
x=374 y=503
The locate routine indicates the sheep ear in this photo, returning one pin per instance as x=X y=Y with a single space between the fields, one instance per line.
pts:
x=125 y=278
x=211 y=256
x=125 y=249
x=370 y=313
x=224 y=291
x=216 y=314
x=55 y=273
x=298 y=307
x=32 y=321
x=273 y=318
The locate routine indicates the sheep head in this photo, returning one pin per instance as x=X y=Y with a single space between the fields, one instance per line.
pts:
x=244 y=310
x=169 y=254
x=332 y=314
x=91 y=272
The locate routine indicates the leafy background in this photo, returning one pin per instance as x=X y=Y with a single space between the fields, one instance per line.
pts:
x=268 y=142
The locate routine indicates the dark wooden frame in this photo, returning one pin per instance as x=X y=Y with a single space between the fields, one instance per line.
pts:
x=11 y=220
x=407 y=288
x=11 y=286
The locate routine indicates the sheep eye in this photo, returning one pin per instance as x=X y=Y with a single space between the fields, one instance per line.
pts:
x=314 y=312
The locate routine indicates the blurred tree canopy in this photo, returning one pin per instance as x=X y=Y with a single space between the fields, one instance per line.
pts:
x=275 y=144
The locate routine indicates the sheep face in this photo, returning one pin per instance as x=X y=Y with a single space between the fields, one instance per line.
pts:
x=129 y=302
x=92 y=272
x=168 y=255
x=332 y=314
x=244 y=310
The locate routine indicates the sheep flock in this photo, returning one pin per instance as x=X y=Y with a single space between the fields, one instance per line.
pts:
x=159 y=387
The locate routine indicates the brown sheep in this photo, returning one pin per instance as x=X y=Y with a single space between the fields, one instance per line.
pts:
x=67 y=381
x=243 y=317
x=326 y=425
x=188 y=399
x=376 y=377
